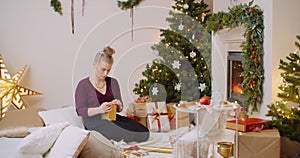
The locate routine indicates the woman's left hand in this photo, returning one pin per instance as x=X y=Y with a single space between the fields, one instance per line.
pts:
x=119 y=103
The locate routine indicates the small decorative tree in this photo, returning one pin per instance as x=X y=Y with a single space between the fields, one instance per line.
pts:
x=286 y=113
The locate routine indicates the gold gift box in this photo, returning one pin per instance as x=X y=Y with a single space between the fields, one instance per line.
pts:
x=112 y=115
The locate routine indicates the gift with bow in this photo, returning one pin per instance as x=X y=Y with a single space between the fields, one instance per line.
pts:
x=157 y=117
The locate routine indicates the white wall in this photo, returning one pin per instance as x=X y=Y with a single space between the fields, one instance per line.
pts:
x=32 y=33
x=286 y=25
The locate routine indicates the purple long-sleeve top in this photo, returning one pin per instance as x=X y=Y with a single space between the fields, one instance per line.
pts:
x=86 y=95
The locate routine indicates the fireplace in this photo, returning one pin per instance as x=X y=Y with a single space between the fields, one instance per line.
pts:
x=234 y=78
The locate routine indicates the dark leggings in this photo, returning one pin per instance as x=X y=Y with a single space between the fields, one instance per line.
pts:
x=123 y=128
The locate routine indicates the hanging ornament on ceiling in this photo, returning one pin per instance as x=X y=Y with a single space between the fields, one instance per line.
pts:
x=129 y=4
x=11 y=92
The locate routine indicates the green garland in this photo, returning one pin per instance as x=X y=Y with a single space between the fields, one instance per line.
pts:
x=56 y=4
x=128 y=4
x=251 y=17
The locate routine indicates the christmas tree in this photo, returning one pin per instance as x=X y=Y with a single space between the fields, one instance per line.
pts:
x=183 y=70
x=286 y=113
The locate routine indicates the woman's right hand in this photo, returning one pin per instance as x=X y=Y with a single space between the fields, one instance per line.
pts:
x=105 y=107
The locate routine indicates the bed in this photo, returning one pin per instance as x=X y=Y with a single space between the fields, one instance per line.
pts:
x=38 y=133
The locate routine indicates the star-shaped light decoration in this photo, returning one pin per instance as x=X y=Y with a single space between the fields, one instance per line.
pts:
x=202 y=86
x=176 y=64
x=155 y=91
x=10 y=91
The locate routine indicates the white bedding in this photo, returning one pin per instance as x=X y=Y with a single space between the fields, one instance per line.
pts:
x=8 y=147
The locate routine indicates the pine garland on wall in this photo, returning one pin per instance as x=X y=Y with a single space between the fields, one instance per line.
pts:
x=128 y=4
x=251 y=17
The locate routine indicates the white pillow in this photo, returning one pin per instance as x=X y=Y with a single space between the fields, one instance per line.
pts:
x=66 y=114
x=28 y=155
x=40 y=141
x=69 y=143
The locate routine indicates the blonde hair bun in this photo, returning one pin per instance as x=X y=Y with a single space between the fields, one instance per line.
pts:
x=108 y=51
x=105 y=55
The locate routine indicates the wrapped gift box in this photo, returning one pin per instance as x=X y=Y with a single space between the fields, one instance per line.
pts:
x=157 y=117
x=137 y=112
x=259 y=144
x=289 y=148
x=247 y=124
x=112 y=115
x=183 y=117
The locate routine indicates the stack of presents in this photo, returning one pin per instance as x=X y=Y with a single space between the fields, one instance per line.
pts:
x=255 y=138
x=157 y=116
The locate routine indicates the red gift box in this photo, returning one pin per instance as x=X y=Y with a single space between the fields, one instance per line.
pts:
x=247 y=124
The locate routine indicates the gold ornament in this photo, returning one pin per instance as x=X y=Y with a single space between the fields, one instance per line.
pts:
x=10 y=91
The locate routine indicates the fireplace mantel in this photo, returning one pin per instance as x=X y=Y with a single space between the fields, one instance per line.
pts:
x=224 y=41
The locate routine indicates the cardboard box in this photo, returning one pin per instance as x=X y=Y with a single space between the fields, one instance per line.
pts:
x=137 y=112
x=183 y=117
x=247 y=125
x=289 y=149
x=157 y=117
x=264 y=144
x=137 y=109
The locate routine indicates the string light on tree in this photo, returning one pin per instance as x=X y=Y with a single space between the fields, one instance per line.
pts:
x=189 y=38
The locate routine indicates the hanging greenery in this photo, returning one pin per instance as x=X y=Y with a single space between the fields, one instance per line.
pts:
x=56 y=4
x=251 y=17
x=128 y=4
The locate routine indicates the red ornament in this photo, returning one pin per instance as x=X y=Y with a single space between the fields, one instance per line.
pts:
x=220 y=26
x=205 y=100
x=253 y=10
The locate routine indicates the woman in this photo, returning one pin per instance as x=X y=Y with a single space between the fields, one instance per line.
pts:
x=95 y=96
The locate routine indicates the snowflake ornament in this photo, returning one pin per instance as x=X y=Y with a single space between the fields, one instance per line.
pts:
x=178 y=86
x=176 y=64
x=180 y=27
x=192 y=54
x=155 y=91
x=202 y=87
